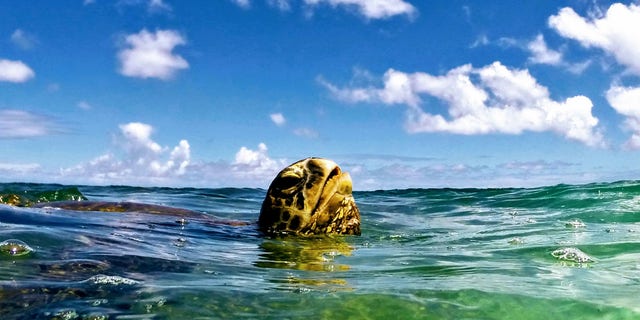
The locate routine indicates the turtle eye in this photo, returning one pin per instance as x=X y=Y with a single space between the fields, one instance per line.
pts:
x=288 y=182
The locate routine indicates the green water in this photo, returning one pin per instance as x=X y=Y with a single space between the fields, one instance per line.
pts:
x=570 y=252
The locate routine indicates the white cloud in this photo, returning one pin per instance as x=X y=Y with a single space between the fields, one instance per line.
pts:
x=15 y=71
x=492 y=99
x=372 y=9
x=139 y=160
x=278 y=119
x=23 y=124
x=142 y=160
x=138 y=137
x=255 y=164
x=23 y=40
x=541 y=54
x=626 y=101
x=149 y=55
x=616 y=32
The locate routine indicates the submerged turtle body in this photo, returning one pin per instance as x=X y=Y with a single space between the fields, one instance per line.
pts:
x=311 y=196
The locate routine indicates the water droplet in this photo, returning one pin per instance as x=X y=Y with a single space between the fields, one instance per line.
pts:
x=15 y=248
x=180 y=242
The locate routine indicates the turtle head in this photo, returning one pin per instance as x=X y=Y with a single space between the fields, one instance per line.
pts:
x=311 y=196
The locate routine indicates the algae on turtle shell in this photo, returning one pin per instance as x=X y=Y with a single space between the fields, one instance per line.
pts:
x=27 y=198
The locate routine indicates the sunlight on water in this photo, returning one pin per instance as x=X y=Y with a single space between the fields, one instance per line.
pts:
x=567 y=252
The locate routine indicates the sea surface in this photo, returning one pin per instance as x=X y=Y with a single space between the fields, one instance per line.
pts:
x=560 y=252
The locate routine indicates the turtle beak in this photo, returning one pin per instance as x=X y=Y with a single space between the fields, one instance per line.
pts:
x=336 y=183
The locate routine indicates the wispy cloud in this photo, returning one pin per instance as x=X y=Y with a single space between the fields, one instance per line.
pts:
x=158 y=6
x=306 y=132
x=538 y=50
x=152 y=6
x=150 y=55
x=84 y=105
x=541 y=54
x=242 y=3
x=502 y=100
x=378 y=9
x=282 y=5
x=370 y=9
x=535 y=166
x=23 y=40
x=22 y=124
x=15 y=71
x=401 y=173
x=23 y=172
x=278 y=119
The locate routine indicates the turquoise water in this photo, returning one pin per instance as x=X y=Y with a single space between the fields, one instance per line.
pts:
x=570 y=252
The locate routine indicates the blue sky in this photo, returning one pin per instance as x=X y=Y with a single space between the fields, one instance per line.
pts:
x=401 y=93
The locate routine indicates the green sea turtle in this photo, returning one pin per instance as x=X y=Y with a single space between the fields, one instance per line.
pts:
x=311 y=196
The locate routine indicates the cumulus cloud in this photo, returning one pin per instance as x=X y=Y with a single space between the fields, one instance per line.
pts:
x=139 y=158
x=372 y=9
x=23 y=40
x=626 y=101
x=492 y=99
x=615 y=32
x=255 y=164
x=150 y=55
x=22 y=124
x=15 y=71
x=278 y=119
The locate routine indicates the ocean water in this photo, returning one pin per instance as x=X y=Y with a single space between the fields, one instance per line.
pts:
x=567 y=251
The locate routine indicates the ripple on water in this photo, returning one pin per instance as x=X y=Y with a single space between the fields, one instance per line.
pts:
x=571 y=255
